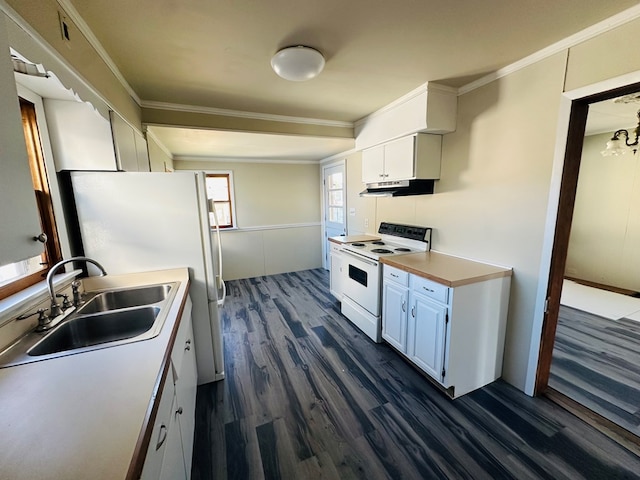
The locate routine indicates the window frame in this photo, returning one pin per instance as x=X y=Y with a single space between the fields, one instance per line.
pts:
x=231 y=192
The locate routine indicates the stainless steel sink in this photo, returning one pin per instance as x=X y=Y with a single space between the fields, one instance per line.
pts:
x=108 y=319
x=132 y=297
x=89 y=330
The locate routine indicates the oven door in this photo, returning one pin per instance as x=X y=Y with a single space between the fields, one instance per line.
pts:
x=361 y=281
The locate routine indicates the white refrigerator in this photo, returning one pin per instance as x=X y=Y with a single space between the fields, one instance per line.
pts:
x=134 y=222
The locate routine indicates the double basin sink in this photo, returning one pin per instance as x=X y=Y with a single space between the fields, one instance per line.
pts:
x=107 y=319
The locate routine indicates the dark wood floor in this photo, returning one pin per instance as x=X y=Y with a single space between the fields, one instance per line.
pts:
x=307 y=396
x=596 y=362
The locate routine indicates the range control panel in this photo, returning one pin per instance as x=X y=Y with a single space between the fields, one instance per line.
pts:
x=412 y=232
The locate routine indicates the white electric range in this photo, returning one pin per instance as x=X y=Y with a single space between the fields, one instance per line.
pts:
x=362 y=272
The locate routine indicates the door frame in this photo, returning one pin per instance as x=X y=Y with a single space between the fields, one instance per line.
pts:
x=573 y=112
x=323 y=212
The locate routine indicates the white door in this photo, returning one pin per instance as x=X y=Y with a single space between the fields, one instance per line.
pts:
x=335 y=205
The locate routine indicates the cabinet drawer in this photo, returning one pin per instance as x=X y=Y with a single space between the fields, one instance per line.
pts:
x=396 y=275
x=430 y=288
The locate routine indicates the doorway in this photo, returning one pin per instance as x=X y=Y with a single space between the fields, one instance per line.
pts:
x=334 y=194
x=560 y=269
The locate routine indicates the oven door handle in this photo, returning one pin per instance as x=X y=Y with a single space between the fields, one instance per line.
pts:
x=358 y=257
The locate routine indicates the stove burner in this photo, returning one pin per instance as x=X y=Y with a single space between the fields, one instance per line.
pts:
x=378 y=242
x=381 y=250
x=357 y=244
x=402 y=249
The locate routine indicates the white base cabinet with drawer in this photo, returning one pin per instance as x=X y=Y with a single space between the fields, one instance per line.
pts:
x=454 y=334
x=395 y=301
x=171 y=447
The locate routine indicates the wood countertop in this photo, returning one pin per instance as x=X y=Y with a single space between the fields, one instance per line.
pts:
x=81 y=416
x=446 y=269
x=353 y=238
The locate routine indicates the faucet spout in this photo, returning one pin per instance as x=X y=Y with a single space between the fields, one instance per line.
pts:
x=55 y=308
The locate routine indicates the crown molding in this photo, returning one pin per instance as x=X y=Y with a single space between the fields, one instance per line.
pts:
x=186 y=158
x=241 y=114
x=77 y=19
x=337 y=156
x=588 y=33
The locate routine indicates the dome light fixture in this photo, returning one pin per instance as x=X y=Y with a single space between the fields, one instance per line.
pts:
x=297 y=63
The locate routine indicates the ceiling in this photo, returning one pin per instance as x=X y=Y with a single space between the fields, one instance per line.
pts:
x=216 y=53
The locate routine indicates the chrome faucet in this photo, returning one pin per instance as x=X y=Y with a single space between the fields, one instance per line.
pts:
x=55 y=308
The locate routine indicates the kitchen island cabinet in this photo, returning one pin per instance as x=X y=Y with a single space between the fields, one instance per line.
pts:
x=454 y=329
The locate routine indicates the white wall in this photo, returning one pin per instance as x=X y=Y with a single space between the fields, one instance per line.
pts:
x=605 y=231
x=278 y=217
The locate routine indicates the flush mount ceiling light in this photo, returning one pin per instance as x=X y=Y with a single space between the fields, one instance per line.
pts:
x=298 y=63
x=616 y=146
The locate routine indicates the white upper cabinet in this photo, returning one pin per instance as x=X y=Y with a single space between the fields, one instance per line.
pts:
x=18 y=211
x=80 y=137
x=130 y=146
x=430 y=108
x=407 y=158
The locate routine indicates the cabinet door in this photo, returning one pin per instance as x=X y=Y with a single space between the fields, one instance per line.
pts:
x=81 y=138
x=142 y=153
x=18 y=211
x=399 y=159
x=173 y=463
x=186 y=388
x=427 y=326
x=159 y=435
x=394 y=315
x=124 y=143
x=373 y=165
x=335 y=278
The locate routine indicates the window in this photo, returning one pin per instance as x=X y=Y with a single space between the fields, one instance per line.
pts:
x=220 y=193
x=20 y=275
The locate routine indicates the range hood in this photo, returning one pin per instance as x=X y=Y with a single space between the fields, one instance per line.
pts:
x=402 y=188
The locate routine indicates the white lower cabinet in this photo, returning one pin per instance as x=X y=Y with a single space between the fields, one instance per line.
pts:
x=426 y=334
x=395 y=304
x=158 y=444
x=335 y=271
x=171 y=447
x=454 y=334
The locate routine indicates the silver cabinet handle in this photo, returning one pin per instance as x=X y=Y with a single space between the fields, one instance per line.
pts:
x=428 y=289
x=179 y=411
x=394 y=275
x=187 y=345
x=413 y=313
x=404 y=304
x=162 y=436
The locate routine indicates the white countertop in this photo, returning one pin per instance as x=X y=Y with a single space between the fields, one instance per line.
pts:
x=80 y=416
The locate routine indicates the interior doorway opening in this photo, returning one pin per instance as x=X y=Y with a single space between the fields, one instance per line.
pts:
x=561 y=271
